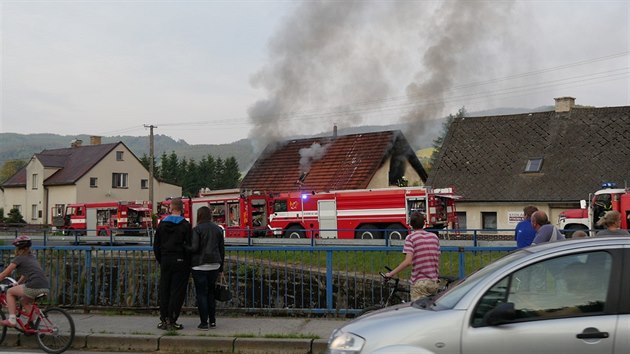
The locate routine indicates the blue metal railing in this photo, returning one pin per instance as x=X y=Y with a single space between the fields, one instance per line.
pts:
x=284 y=279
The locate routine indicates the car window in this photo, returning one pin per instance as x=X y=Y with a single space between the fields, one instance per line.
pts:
x=573 y=285
x=451 y=297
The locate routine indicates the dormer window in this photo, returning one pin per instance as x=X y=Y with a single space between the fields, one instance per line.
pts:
x=534 y=165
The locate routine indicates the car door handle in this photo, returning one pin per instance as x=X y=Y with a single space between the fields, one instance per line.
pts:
x=592 y=333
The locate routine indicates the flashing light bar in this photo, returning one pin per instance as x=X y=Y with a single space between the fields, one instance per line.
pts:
x=609 y=185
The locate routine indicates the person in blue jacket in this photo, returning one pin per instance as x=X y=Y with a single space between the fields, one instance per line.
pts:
x=524 y=232
x=171 y=236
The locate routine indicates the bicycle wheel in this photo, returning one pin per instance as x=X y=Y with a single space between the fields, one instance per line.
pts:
x=55 y=330
x=3 y=332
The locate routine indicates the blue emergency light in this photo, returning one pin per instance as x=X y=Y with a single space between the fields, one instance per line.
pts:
x=609 y=185
x=304 y=196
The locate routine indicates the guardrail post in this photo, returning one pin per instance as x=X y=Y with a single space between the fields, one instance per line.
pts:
x=462 y=262
x=88 y=278
x=475 y=238
x=329 y=281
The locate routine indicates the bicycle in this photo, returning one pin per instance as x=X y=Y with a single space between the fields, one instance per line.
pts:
x=394 y=288
x=53 y=327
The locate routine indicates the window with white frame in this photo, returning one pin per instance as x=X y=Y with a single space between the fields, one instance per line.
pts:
x=93 y=182
x=34 y=181
x=34 y=212
x=144 y=184
x=119 y=180
x=119 y=155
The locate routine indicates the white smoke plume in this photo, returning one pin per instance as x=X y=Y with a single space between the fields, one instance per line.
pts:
x=311 y=154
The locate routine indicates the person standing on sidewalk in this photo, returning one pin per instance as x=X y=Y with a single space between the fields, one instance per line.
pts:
x=168 y=247
x=208 y=252
x=422 y=252
x=524 y=232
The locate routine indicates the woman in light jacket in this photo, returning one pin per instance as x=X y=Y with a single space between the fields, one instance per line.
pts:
x=207 y=249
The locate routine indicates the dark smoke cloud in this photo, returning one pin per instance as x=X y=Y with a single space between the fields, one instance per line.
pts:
x=336 y=61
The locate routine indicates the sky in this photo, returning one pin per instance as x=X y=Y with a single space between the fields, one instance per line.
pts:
x=213 y=72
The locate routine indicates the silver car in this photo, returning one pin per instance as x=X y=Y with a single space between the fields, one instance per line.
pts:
x=563 y=297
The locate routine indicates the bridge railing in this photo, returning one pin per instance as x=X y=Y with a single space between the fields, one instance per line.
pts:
x=283 y=279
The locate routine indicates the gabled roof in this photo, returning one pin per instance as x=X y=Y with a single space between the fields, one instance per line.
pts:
x=484 y=158
x=72 y=162
x=330 y=163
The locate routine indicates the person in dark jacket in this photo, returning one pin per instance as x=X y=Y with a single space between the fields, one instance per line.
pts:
x=168 y=246
x=208 y=252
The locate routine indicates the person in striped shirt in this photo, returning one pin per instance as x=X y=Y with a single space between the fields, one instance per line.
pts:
x=422 y=252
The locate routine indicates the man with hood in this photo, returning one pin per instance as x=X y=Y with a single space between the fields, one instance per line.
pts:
x=171 y=235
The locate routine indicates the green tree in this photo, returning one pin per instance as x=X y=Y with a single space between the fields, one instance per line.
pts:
x=207 y=172
x=15 y=217
x=231 y=176
x=437 y=142
x=170 y=168
x=145 y=160
x=9 y=168
x=1 y=215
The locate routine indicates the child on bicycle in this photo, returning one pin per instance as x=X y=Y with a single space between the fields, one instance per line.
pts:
x=32 y=282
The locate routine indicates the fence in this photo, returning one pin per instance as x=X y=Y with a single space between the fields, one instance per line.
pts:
x=304 y=279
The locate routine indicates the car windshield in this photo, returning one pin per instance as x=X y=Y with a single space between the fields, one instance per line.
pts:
x=451 y=297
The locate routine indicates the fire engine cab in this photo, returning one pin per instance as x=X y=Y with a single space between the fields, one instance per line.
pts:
x=608 y=198
x=239 y=214
x=360 y=214
x=103 y=219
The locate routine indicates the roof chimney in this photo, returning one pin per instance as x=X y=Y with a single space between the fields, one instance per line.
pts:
x=335 y=131
x=76 y=143
x=564 y=104
x=95 y=140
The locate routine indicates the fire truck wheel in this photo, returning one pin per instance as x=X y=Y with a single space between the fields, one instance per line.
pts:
x=294 y=232
x=396 y=232
x=367 y=232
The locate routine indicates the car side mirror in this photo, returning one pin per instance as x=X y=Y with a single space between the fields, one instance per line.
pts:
x=502 y=313
x=582 y=204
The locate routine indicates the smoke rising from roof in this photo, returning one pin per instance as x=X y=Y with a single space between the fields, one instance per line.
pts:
x=340 y=61
x=310 y=155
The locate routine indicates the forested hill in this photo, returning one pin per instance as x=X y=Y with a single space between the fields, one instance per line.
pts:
x=24 y=146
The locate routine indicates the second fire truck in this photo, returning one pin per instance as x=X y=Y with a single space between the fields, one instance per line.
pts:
x=608 y=198
x=103 y=219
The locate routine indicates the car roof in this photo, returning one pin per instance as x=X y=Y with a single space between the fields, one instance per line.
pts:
x=579 y=243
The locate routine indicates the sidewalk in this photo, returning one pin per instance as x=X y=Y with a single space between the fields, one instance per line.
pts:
x=243 y=334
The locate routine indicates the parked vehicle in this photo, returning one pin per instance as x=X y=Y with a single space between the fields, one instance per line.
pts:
x=362 y=213
x=103 y=219
x=555 y=297
x=608 y=198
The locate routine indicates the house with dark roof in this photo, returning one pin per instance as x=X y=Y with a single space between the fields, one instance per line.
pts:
x=357 y=161
x=552 y=160
x=80 y=174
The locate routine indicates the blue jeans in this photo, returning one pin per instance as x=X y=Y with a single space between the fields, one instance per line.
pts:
x=205 y=281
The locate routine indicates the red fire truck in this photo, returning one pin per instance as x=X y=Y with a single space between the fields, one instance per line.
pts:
x=239 y=214
x=608 y=198
x=103 y=219
x=360 y=214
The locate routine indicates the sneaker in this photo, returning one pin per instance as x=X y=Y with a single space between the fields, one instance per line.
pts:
x=7 y=323
x=163 y=325
x=213 y=325
x=203 y=327
x=175 y=326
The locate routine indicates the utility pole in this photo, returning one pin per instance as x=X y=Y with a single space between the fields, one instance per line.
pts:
x=151 y=163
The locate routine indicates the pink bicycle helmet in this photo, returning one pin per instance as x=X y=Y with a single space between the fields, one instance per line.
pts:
x=22 y=241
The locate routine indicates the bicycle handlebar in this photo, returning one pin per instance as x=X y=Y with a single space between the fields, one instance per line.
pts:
x=12 y=283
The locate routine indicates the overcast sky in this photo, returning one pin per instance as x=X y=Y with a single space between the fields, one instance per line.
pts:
x=211 y=72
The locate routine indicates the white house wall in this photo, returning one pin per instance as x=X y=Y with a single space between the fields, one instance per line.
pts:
x=14 y=196
x=508 y=214
x=34 y=193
